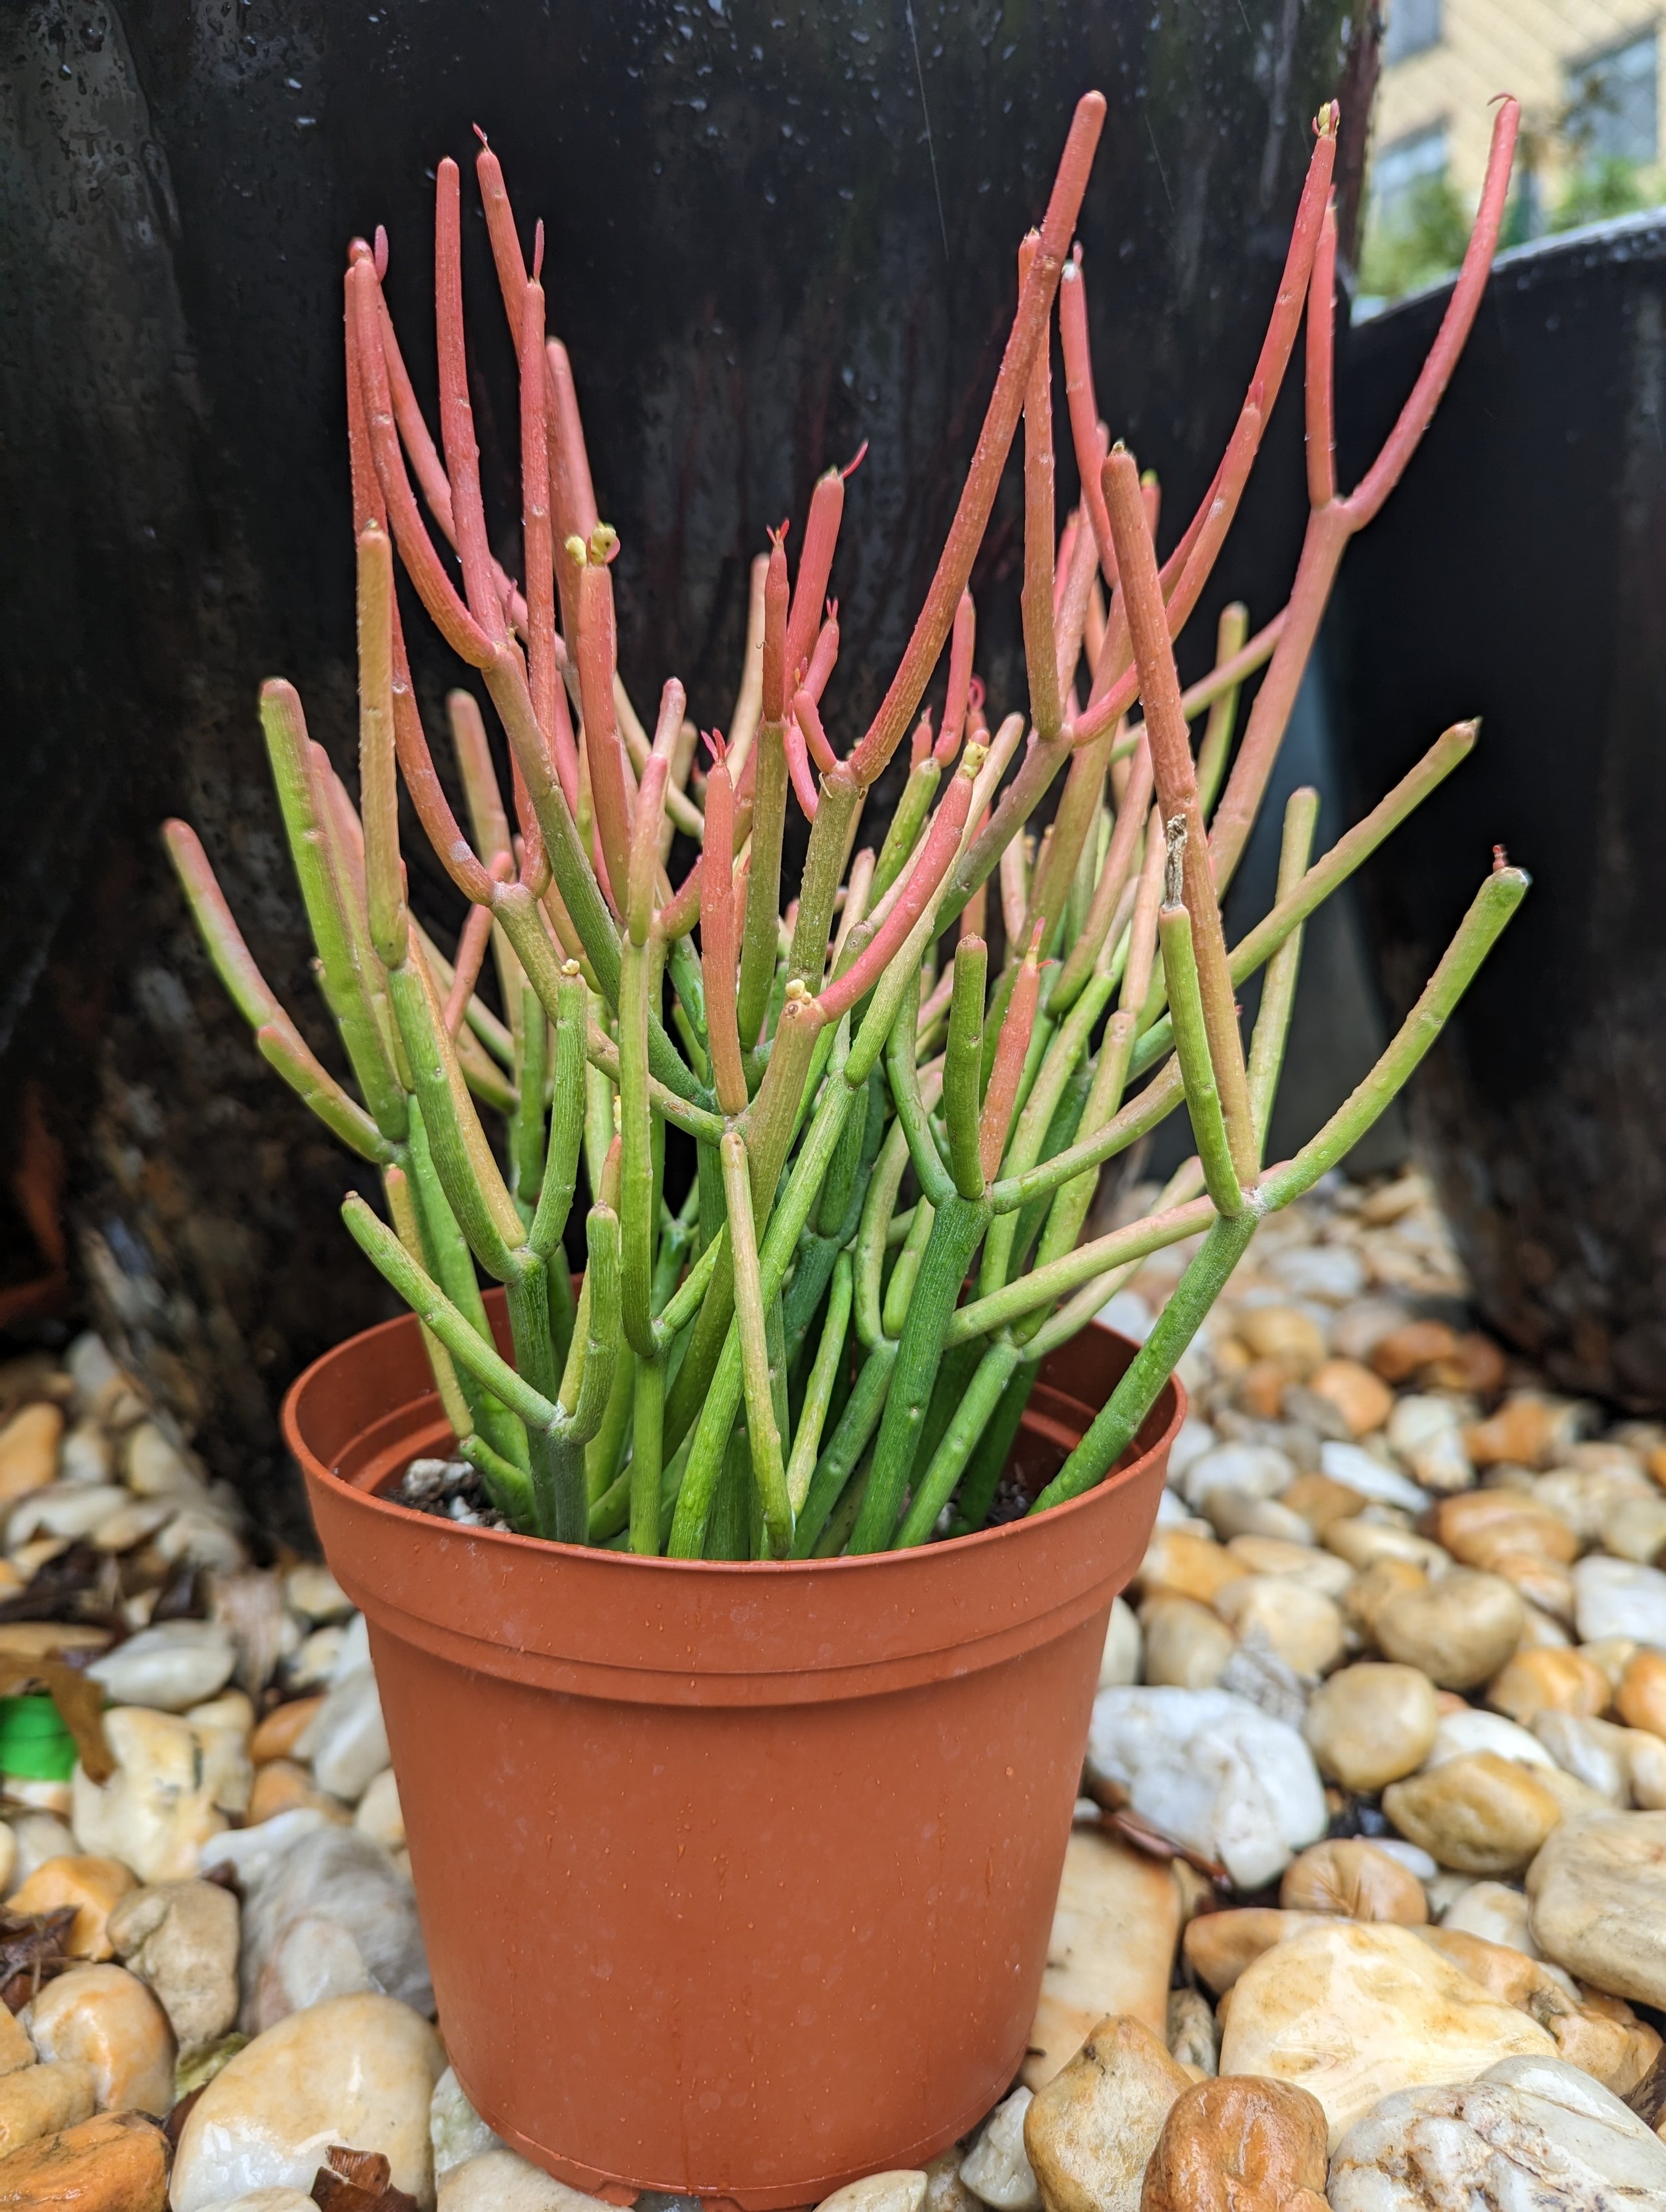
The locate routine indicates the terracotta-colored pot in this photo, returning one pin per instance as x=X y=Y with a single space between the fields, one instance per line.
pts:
x=737 y=1879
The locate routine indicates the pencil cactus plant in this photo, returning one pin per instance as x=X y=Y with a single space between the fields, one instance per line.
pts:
x=824 y=1342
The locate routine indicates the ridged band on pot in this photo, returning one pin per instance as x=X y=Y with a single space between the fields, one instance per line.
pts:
x=736 y=1878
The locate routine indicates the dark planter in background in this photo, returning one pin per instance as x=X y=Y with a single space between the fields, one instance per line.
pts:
x=1520 y=574
x=758 y=255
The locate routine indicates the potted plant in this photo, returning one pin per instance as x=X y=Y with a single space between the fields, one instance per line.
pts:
x=738 y=1757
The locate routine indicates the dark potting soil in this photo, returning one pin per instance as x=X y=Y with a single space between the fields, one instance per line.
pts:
x=451 y=1490
x=1012 y=1500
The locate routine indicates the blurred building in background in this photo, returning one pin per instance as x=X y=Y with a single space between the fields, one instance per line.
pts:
x=1588 y=74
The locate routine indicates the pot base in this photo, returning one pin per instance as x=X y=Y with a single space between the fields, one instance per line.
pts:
x=796 y=2196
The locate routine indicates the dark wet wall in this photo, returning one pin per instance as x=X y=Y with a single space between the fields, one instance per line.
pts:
x=1520 y=574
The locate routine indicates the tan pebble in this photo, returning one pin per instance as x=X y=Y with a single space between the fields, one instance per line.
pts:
x=1636 y=1530
x=1613 y=1653
x=1321 y=1501
x=1479 y=1813
x=1607 y=2041
x=1459 y=1630
x=282 y=1786
x=180 y=1938
x=93 y=1886
x=1598 y=1894
x=1640 y=1698
x=1194 y=2038
x=1404 y=1352
x=1111 y=1948
x=1585 y=1497
x=117 y=2162
x=379 y=1814
x=1218 y=1945
x=1474 y=1364
x=1295 y=1562
x=1545 y=1586
x=1354 y=2011
x=1364 y=1400
x=1645 y=1766
x=1302 y=1626
x=1186 y=1645
x=1392 y=1201
x=49 y=1639
x=131 y=1524
x=902 y=2189
x=1089 y=2132
x=1232 y=1513
x=278 y=1734
x=1286 y=1333
x=1496 y=1912
x=1574 y=1796
x=157 y=1809
x=1374 y=1585
x=1372 y=1723
x=1193 y=1566
x=1563 y=1681
x=945 y=2190
x=107 y=2020
x=38 y=2100
x=28 y=1450
x=1194 y=1891
x=1541 y=1632
x=1239 y=2142
x=1596 y=1752
x=357 y=2069
x=1529 y=1429
x=1260 y=1391
x=1478 y=1526
x=1362 y=1542
x=1350 y=1877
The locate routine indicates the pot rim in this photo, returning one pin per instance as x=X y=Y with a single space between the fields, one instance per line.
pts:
x=393 y=1510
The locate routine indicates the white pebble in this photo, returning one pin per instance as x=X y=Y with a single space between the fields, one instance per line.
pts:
x=1334 y=1273
x=1618 y=1597
x=996 y=2168
x=1258 y=1470
x=1351 y=1464
x=1213 y=1771
x=1460 y=1733
x=176 y=1664
x=1129 y=1313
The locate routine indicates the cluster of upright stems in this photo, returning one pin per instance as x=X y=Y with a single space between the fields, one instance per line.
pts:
x=825 y=1343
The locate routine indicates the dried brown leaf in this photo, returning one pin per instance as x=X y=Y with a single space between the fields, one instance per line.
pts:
x=358 y=2181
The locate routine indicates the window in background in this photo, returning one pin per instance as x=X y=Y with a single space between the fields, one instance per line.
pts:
x=1402 y=170
x=1414 y=26
x=1415 y=224
x=1613 y=104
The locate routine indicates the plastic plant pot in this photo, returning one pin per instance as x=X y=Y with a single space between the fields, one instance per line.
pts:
x=737 y=1879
